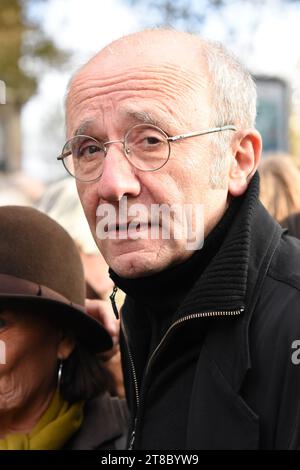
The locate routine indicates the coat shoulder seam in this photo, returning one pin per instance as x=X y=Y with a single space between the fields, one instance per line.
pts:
x=294 y=283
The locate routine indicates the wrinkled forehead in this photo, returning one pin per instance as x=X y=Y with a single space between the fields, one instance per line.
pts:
x=149 y=52
x=166 y=67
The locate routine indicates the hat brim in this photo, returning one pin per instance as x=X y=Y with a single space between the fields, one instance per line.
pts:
x=88 y=331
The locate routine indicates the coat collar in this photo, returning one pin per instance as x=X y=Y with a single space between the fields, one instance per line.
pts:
x=236 y=278
x=223 y=284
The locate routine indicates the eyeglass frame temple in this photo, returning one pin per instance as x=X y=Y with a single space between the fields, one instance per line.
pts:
x=63 y=155
x=195 y=134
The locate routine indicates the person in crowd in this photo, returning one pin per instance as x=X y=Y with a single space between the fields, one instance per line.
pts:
x=279 y=185
x=53 y=388
x=292 y=224
x=60 y=201
x=208 y=332
x=19 y=189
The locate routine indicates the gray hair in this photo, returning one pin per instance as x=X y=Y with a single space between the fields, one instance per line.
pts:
x=234 y=101
x=232 y=86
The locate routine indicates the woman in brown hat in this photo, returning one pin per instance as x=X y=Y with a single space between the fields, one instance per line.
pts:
x=52 y=388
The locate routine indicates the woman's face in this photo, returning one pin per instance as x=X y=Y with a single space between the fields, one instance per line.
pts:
x=32 y=346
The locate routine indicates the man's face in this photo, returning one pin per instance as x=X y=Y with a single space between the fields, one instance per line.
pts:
x=116 y=92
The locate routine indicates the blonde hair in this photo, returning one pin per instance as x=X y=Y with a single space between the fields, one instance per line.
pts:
x=61 y=202
x=279 y=186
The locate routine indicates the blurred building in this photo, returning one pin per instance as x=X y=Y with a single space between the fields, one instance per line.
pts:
x=10 y=133
x=273 y=112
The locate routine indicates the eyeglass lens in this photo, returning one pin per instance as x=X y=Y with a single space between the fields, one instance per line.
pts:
x=145 y=146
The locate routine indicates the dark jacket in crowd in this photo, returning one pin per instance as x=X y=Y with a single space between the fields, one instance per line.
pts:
x=219 y=368
x=104 y=425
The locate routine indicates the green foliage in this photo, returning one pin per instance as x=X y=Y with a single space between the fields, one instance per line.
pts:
x=190 y=14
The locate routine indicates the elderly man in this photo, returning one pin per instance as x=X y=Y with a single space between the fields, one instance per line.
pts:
x=209 y=336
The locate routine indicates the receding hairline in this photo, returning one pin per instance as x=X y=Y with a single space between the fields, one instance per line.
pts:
x=139 y=39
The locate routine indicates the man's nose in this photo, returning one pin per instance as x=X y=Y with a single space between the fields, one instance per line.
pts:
x=118 y=177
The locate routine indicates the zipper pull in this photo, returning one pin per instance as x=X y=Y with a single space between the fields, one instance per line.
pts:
x=132 y=437
x=132 y=440
x=113 y=302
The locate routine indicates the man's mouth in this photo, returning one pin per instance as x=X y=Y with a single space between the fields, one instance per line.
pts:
x=130 y=230
x=127 y=227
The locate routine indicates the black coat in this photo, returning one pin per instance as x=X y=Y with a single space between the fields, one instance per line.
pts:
x=246 y=390
x=247 y=387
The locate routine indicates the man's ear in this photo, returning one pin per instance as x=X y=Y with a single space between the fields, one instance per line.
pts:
x=65 y=347
x=246 y=155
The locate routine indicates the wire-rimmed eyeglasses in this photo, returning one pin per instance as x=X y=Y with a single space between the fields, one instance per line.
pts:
x=146 y=147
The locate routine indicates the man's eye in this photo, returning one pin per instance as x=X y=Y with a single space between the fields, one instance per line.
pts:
x=88 y=150
x=152 y=140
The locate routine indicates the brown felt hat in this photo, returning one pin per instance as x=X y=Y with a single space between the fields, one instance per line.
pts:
x=40 y=264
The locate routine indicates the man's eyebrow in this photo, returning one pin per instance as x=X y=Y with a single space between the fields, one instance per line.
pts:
x=84 y=127
x=144 y=117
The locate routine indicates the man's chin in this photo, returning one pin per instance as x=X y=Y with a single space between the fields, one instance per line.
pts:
x=137 y=264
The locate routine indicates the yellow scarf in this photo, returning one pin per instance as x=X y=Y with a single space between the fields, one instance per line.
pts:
x=52 y=432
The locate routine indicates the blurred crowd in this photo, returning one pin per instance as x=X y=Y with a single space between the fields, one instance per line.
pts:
x=280 y=190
